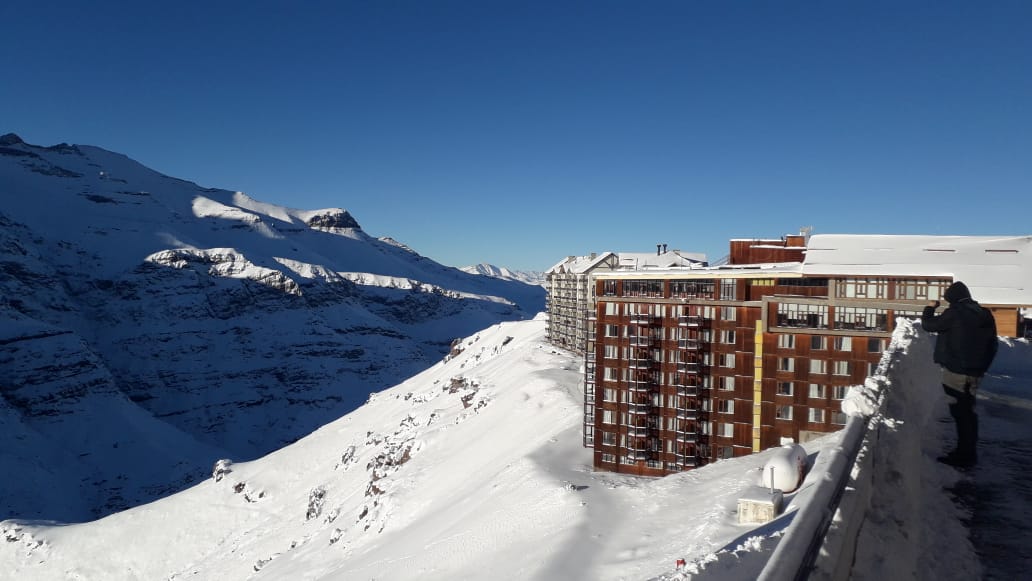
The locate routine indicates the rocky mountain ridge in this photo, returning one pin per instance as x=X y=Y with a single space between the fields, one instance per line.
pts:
x=150 y=325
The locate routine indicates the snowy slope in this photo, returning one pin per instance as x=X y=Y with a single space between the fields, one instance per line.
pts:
x=472 y=469
x=194 y=323
x=528 y=277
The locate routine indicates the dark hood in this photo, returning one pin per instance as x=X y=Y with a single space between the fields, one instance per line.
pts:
x=958 y=291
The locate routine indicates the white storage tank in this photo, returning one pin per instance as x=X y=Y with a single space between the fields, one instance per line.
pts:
x=786 y=469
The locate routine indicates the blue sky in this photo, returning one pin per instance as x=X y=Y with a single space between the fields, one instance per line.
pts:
x=517 y=133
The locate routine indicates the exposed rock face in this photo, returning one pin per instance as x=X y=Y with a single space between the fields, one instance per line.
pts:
x=333 y=219
x=149 y=327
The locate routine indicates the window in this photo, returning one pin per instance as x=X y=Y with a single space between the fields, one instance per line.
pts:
x=727 y=336
x=612 y=309
x=816 y=391
x=612 y=331
x=786 y=341
x=838 y=418
x=706 y=428
x=802 y=316
x=608 y=458
x=609 y=374
x=818 y=342
x=726 y=406
x=861 y=318
x=818 y=366
x=725 y=452
x=727 y=360
x=784 y=412
x=784 y=388
x=727 y=289
x=727 y=383
x=840 y=368
x=609 y=438
x=786 y=364
x=843 y=343
x=863 y=288
x=815 y=416
x=654 y=464
x=839 y=391
x=643 y=288
x=608 y=417
x=875 y=345
x=609 y=394
x=611 y=352
x=686 y=289
x=728 y=313
x=726 y=430
x=921 y=290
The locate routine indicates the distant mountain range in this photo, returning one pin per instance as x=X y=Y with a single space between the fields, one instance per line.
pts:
x=149 y=326
x=524 y=276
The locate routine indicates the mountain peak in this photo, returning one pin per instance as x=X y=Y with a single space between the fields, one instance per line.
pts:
x=335 y=218
x=10 y=139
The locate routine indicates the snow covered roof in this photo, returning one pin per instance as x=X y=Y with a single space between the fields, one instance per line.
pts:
x=671 y=258
x=997 y=269
x=629 y=261
x=579 y=264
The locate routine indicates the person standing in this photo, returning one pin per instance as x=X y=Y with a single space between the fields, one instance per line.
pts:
x=966 y=345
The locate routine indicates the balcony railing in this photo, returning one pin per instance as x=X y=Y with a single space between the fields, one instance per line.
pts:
x=642 y=319
x=688 y=437
x=642 y=340
x=641 y=363
x=688 y=414
x=689 y=321
x=689 y=390
x=688 y=366
x=689 y=344
x=643 y=408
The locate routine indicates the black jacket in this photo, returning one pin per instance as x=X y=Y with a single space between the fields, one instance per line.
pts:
x=967 y=340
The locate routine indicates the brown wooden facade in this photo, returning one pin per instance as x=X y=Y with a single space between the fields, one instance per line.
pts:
x=687 y=368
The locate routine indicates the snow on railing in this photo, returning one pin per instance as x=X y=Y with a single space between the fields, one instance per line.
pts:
x=821 y=541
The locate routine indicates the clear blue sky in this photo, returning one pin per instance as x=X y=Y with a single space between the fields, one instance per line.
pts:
x=517 y=133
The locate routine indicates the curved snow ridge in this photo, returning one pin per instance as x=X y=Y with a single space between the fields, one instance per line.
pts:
x=402 y=283
x=207 y=208
x=224 y=262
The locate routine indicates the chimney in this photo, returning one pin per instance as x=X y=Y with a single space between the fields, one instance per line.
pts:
x=657 y=249
x=664 y=249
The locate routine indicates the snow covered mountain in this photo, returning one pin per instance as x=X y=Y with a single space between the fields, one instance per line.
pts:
x=149 y=325
x=524 y=276
x=472 y=469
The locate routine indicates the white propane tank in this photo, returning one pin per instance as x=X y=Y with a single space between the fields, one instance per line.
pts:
x=786 y=469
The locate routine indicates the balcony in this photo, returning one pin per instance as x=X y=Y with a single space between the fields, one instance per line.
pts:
x=689 y=461
x=688 y=367
x=641 y=363
x=687 y=437
x=688 y=344
x=641 y=408
x=641 y=385
x=688 y=390
x=688 y=414
x=642 y=319
x=689 y=321
x=640 y=431
x=642 y=341
x=639 y=454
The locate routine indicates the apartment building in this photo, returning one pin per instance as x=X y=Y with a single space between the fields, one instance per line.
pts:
x=687 y=367
x=571 y=294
